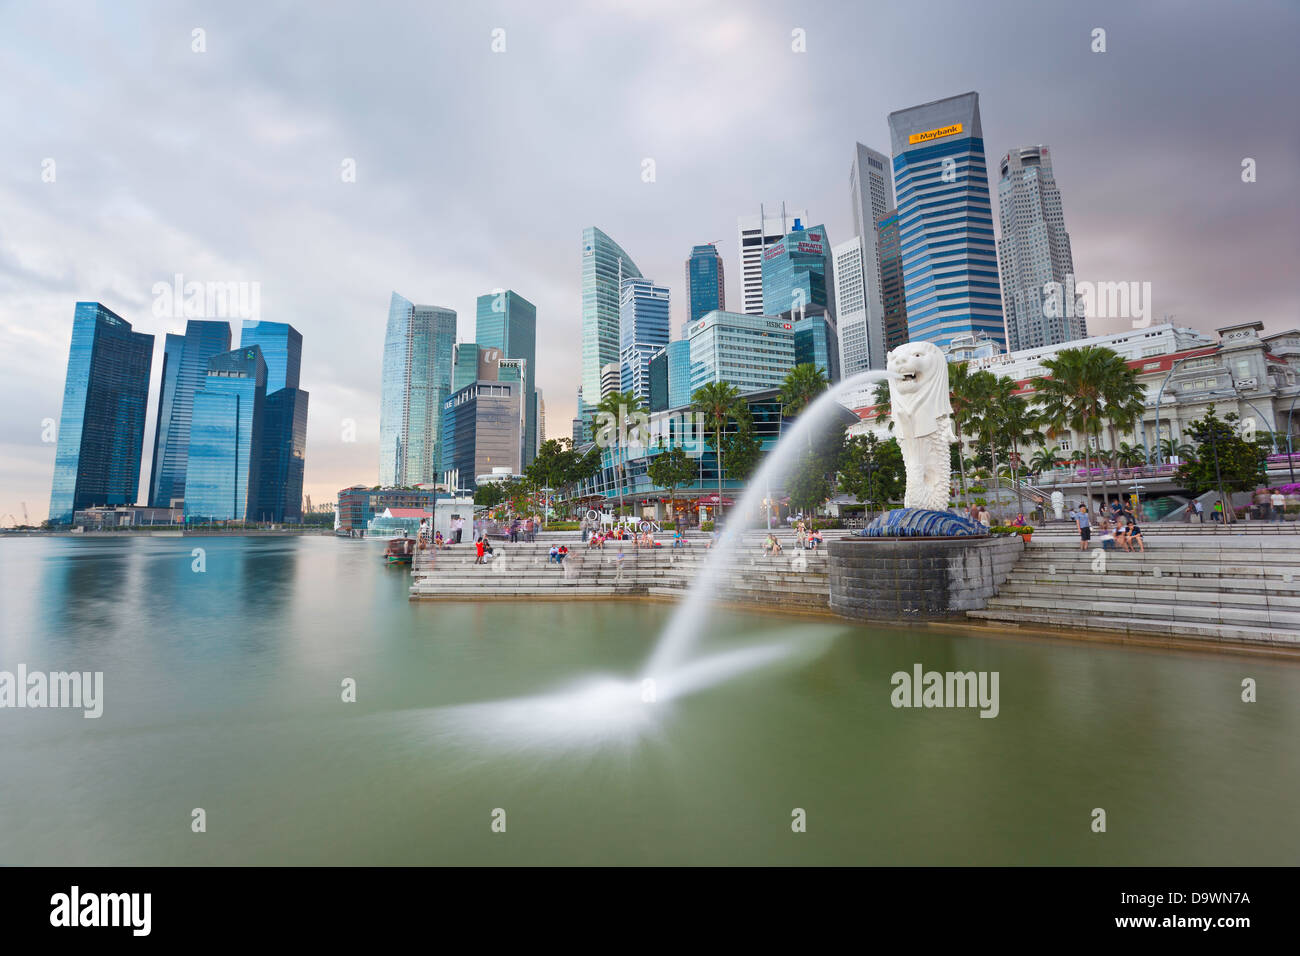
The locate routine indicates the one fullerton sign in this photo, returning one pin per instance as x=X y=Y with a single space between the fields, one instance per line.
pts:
x=930 y=134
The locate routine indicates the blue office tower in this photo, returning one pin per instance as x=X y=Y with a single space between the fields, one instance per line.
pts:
x=223 y=473
x=705 y=287
x=284 y=425
x=101 y=428
x=945 y=222
x=505 y=320
x=185 y=364
x=815 y=343
x=281 y=346
x=643 y=331
x=797 y=273
x=679 y=373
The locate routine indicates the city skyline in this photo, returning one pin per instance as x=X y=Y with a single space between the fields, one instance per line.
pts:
x=1145 y=199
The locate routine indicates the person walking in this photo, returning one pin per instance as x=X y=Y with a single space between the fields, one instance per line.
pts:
x=478 y=551
x=1277 y=504
x=1200 y=510
x=1082 y=520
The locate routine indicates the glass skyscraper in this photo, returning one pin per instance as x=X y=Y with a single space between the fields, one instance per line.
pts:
x=891 y=281
x=101 y=427
x=284 y=426
x=1034 y=250
x=223 y=473
x=482 y=424
x=658 y=374
x=507 y=321
x=604 y=267
x=416 y=382
x=950 y=264
x=815 y=344
x=705 y=288
x=679 y=373
x=185 y=364
x=797 y=272
x=643 y=331
x=752 y=352
x=281 y=346
x=464 y=365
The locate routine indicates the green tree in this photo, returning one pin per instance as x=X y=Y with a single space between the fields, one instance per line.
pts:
x=1125 y=400
x=1225 y=462
x=619 y=419
x=872 y=470
x=671 y=468
x=743 y=447
x=1018 y=428
x=800 y=388
x=1172 y=448
x=1073 y=398
x=1045 y=459
x=489 y=494
x=718 y=403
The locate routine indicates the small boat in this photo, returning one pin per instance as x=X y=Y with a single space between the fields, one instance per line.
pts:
x=399 y=550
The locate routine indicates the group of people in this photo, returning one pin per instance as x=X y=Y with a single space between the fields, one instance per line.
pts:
x=524 y=526
x=557 y=554
x=1118 y=526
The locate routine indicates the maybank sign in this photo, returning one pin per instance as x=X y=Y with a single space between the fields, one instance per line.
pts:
x=930 y=134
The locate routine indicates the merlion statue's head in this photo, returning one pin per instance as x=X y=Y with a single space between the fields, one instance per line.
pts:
x=918 y=388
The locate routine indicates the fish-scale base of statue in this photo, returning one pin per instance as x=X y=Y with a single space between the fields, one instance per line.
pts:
x=922 y=523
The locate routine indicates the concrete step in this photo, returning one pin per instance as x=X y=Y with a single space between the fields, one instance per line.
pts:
x=1231 y=633
x=1169 y=613
x=1151 y=590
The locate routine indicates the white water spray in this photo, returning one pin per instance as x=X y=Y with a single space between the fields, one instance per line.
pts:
x=688 y=620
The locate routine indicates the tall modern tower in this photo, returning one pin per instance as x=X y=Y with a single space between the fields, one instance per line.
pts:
x=507 y=321
x=705 y=287
x=643 y=331
x=891 y=280
x=416 y=381
x=946 y=221
x=604 y=267
x=284 y=425
x=223 y=473
x=1034 y=250
x=797 y=273
x=101 y=427
x=870 y=198
x=755 y=234
x=851 y=311
x=185 y=364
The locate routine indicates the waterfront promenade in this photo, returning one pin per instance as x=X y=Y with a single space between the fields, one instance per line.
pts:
x=1199 y=584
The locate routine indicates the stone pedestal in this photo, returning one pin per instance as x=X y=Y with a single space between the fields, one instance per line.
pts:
x=902 y=579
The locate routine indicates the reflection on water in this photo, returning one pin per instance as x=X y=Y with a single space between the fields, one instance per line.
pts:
x=223 y=691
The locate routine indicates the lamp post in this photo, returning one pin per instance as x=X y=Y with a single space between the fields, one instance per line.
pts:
x=1159 y=395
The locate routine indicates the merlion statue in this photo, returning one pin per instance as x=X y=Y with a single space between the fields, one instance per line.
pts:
x=922 y=413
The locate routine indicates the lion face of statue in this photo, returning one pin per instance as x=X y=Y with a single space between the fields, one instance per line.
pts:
x=918 y=388
x=914 y=363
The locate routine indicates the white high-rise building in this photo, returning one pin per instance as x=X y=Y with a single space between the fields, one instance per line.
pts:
x=755 y=233
x=851 y=307
x=1033 y=250
x=871 y=198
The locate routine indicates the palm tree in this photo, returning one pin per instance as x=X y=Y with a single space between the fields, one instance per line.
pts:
x=1172 y=448
x=1072 y=396
x=1045 y=459
x=961 y=392
x=717 y=402
x=989 y=395
x=801 y=386
x=1125 y=404
x=1130 y=455
x=622 y=408
x=1018 y=426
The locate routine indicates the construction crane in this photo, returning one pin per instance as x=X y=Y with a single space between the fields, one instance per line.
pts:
x=25 y=521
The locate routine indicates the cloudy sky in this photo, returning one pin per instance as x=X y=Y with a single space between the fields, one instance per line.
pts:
x=478 y=169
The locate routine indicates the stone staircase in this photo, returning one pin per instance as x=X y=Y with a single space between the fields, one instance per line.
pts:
x=794 y=579
x=1226 y=587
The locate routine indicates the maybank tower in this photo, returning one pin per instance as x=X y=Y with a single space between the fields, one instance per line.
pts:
x=945 y=222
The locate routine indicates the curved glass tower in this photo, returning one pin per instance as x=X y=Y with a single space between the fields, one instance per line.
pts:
x=416 y=381
x=604 y=266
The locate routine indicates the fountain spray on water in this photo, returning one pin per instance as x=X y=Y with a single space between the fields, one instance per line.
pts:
x=684 y=627
x=601 y=709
